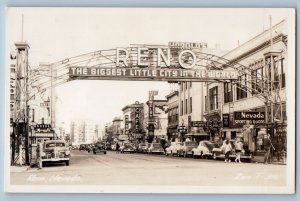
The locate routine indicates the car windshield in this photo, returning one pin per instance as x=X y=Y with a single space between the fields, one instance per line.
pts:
x=142 y=145
x=55 y=144
x=211 y=145
x=128 y=145
x=156 y=145
x=191 y=144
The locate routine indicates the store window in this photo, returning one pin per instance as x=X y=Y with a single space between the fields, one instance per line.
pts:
x=213 y=97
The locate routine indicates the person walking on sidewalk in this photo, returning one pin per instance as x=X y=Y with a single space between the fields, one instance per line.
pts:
x=238 y=150
x=267 y=145
x=227 y=149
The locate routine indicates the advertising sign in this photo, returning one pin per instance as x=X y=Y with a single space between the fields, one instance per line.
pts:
x=225 y=120
x=202 y=124
x=163 y=74
x=249 y=117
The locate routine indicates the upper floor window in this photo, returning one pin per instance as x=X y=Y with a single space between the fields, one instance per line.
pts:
x=241 y=87
x=213 y=98
x=228 y=92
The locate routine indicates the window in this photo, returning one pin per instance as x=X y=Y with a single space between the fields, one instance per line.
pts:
x=213 y=97
x=281 y=72
x=191 y=84
x=186 y=85
x=205 y=104
x=227 y=92
x=241 y=87
x=257 y=80
x=191 y=105
x=181 y=109
x=186 y=106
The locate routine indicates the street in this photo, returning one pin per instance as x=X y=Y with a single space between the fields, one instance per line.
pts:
x=144 y=169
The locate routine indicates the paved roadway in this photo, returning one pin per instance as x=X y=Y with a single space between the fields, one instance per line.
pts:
x=144 y=169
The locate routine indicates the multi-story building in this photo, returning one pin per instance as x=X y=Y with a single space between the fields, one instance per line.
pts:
x=83 y=131
x=159 y=120
x=133 y=115
x=191 y=102
x=245 y=106
x=173 y=115
x=117 y=127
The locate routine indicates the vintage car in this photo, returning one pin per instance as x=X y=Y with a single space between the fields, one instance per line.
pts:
x=173 y=148
x=114 y=147
x=186 y=149
x=89 y=147
x=53 y=151
x=156 y=148
x=127 y=147
x=82 y=147
x=205 y=149
x=146 y=147
x=99 y=147
x=246 y=154
x=141 y=147
x=108 y=146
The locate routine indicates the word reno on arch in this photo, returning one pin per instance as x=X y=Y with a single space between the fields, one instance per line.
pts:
x=166 y=58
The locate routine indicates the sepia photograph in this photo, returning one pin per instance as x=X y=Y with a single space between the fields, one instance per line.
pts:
x=150 y=100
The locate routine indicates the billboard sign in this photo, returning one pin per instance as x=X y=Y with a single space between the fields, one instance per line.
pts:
x=176 y=62
x=249 y=117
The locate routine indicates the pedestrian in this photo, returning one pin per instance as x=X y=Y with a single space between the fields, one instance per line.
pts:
x=227 y=150
x=267 y=145
x=238 y=150
x=117 y=147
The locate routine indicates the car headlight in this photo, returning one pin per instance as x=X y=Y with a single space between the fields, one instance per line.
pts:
x=43 y=154
x=67 y=152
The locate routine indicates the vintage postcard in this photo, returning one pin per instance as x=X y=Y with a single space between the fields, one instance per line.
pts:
x=150 y=100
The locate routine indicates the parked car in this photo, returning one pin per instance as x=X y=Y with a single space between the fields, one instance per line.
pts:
x=187 y=149
x=156 y=148
x=108 y=146
x=89 y=147
x=205 y=149
x=246 y=154
x=114 y=147
x=53 y=151
x=141 y=147
x=127 y=147
x=173 y=148
x=99 y=147
x=146 y=148
x=82 y=147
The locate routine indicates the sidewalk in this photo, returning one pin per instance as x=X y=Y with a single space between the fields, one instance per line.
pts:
x=16 y=169
x=260 y=159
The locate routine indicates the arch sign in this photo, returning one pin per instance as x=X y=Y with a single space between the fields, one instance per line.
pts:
x=157 y=63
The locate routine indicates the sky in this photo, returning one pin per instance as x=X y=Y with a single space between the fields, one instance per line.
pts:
x=54 y=34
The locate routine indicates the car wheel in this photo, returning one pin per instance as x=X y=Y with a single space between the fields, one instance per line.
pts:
x=214 y=156
x=67 y=163
x=105 y=152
